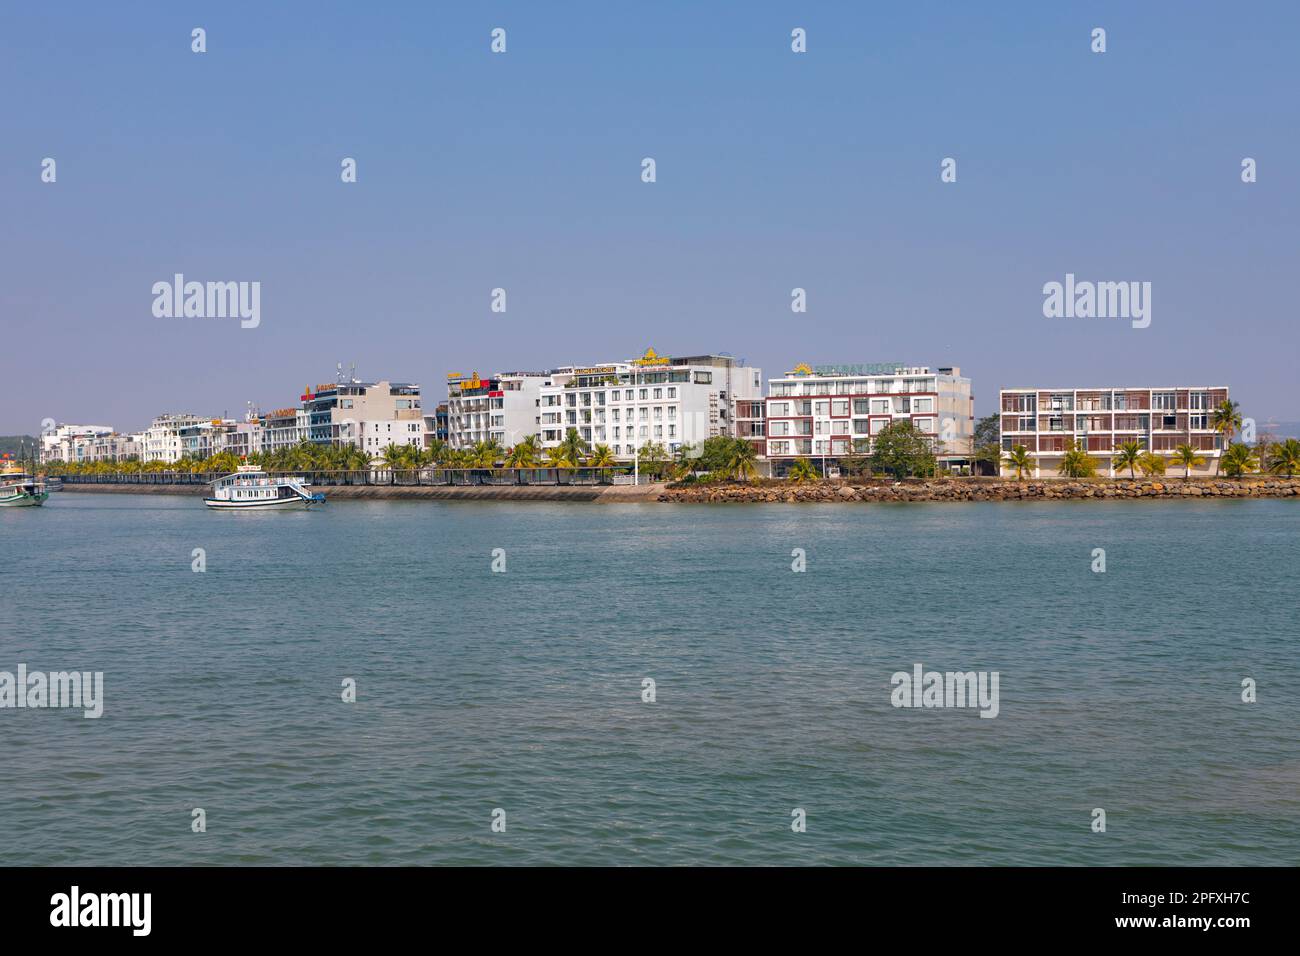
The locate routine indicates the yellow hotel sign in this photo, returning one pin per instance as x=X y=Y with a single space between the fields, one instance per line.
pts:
x=651 y=358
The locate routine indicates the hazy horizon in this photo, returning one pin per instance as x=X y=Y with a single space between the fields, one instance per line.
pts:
x=522 y=171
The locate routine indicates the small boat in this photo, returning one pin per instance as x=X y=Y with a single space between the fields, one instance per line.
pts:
x=53 y=484
x=252 y=489
x=19 y=489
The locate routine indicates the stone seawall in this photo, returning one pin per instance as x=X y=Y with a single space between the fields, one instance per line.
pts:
x=983 y=489
x=596 y=493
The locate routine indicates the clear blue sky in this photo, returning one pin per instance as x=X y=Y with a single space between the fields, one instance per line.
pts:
x=522 y=170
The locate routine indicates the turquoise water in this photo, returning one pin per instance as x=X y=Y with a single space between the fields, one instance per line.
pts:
x=522 y=691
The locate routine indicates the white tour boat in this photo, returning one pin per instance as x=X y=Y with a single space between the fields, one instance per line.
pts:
x=252 y=489
x=19 y=489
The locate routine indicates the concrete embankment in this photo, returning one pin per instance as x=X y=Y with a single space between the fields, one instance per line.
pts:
x=596 y=493
x=983 y=489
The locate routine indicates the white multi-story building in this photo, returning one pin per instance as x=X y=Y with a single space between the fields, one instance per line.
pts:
x=830 y=410
x=171 y=436
x=654 y=399
x=502 y=408
x=284 y=428
x=1046 y=421
x=370 y=415
x=59 y=443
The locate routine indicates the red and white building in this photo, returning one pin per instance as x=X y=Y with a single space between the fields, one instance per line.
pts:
x=827 y=411
x=1044 y=420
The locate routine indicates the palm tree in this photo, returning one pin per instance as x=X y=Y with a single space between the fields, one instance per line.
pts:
x=742 y=461
x=487 y=453
x=1239 y=460
x=1127 y=455
x=1076 y=463
x=1286 y=458
x=558 y=457
x=1187 y=456
x=575 y=447
x=437 y=451
x=801 y=470
x=601 y=457
x=684 y=461
x=1225 y=420
x=1018 y=459
x=1152 y=464
x=523 y=455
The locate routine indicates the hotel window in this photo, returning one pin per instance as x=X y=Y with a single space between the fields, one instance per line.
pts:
x=1199 y=421
x=840 y=408
x=644 y=394
x=876 y=425
x=672 y=413
x=659 y=413
x=821 y=408
x=644 y=431
x=880 y=406
x=628 y=395
x=616 y=433
x=805 y=407
x=923 y=405
x=779 y=409
x=840 y=426
x=859 y=406
x=672 y=392
x=659 y=431
x=703 y=378
x=672 y=431
x=925 y=425
x=859 y=426
x=659 y=393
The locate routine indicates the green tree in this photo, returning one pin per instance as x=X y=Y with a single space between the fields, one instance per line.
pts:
x=987 y=443
x=1225 y=420
x=601 y=457
x=575 y=447
x=1018 y=459
x=1239 y=460
x=743 y=463
x=1285 y=458
x=1189 y=458
x=801 y=470
x=902 y=450
x=523 y=455
x=1076 y=463
x=1152 y=464
x=1127 y=455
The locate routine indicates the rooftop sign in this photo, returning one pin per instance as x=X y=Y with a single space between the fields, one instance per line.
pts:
x=872 y=368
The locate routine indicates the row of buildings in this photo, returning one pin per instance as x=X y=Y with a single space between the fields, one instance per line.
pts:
x=816 y=412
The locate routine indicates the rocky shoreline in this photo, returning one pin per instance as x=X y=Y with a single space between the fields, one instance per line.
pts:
x=982 y=489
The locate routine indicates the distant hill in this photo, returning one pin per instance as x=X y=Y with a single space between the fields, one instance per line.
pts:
x=18 y=445
x=1280 y=429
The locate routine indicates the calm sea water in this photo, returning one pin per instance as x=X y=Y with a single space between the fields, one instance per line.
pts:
x=522 y=691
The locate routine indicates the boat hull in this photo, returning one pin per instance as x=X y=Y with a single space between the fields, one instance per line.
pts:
x=278 y=504
x=24 y=500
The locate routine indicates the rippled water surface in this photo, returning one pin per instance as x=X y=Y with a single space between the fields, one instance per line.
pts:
x=478 y=690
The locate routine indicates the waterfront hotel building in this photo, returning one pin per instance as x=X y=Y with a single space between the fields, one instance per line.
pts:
x=825 y=411
x=1098 y=420
x=655 y=399
x=501 y=408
